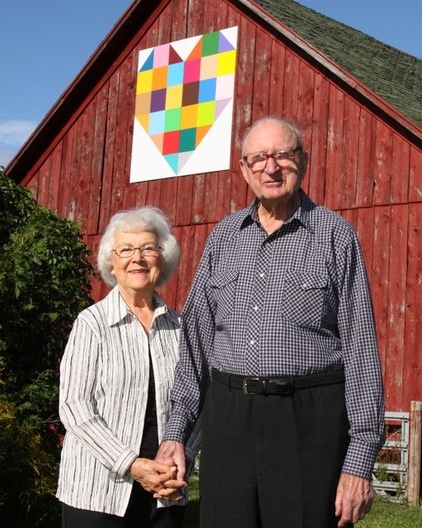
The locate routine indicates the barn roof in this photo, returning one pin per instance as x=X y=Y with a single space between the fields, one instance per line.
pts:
x=392 y=75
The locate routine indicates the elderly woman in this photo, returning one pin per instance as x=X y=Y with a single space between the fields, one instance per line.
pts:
x=115 y=380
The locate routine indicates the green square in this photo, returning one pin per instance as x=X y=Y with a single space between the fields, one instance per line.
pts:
x=210 y=43
x=172 y=119
x=187 y=140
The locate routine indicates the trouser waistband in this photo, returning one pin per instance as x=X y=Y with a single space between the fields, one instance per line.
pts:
x=276 y=385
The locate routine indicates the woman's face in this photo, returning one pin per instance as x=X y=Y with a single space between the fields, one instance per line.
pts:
x=140 y=271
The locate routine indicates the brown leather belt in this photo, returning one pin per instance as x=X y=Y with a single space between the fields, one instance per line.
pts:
x=276 y=385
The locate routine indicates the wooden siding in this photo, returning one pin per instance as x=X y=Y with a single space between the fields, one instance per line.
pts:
x=360 y=164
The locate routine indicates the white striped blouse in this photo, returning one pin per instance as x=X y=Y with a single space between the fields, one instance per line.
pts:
x=104 y=377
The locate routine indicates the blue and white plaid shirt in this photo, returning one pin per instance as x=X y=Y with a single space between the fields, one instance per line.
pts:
x=295 y=302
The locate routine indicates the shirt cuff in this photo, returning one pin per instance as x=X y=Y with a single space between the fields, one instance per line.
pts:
x=119 y=470
x=360 y=459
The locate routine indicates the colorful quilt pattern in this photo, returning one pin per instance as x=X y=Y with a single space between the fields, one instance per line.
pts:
x=184 y=91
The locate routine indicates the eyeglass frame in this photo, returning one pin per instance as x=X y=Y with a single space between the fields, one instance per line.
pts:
x=156 y=251
x=291 y=153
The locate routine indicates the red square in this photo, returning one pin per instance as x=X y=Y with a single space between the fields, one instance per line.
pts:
x=171 y=142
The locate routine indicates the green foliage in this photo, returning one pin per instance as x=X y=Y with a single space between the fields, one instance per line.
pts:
x=45 y=277
x=392 y=515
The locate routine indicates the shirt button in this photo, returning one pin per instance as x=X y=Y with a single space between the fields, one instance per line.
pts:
x=255 y=308
x=251 y=342
x=262 y=275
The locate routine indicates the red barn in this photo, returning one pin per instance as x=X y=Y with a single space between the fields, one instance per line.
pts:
x=358 y=101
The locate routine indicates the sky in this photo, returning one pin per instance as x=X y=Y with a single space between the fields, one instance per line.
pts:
x=46 y=43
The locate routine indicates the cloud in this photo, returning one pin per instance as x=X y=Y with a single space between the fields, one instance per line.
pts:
x=6 y=155
x=14 y=132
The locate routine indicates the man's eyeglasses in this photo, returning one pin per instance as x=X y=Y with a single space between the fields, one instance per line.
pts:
x=127 y=250
x=258 y=160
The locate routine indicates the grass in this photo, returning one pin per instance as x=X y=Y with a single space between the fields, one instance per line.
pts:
x=383 y=514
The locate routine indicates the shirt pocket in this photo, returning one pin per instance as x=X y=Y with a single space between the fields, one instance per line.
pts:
x=303 y=298
x=223 y=291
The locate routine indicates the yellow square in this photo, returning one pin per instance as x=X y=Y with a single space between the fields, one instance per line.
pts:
x=144 y=82
x=206 y=113
x=226 y=62
x=174 y=96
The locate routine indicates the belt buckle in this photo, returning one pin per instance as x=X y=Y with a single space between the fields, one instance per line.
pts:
x=245 y=384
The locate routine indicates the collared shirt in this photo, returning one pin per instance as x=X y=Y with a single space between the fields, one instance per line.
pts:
x=295 y=302
x=104 y=378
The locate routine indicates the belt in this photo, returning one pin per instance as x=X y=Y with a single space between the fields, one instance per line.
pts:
x=276 y=385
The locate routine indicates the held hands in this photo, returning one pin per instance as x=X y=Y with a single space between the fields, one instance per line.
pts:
x=175 y=453
x=159 y=478
x=354 y=499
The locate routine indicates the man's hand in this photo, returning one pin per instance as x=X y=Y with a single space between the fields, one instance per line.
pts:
x=354 y=499
x=174 y=452
x=157 y=477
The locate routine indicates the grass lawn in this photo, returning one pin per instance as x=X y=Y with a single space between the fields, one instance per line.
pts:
x=383 y=514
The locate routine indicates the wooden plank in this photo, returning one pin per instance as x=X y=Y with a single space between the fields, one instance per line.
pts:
x=413 y=295
x=261 y=103
x=379 y=279
x=275 y=79
x=415 y=463
x=63 y=197
x=334 y=148
x=195 y=20
x=305 y=109
x=73 y=181
x=415 y=176
x=110 y=199
x=243 y=109
x=291 y=85
x=98 y=146
x=366 y=159
x=83 y=192
x=383 y=164
x=130 y=67
x=125 y=111
x=178 y=26
x=185 y=236
x=55 y=176
x=317 y=165
x=348 y=173
x=400 y=170
x=394 y=358
x=42 y=190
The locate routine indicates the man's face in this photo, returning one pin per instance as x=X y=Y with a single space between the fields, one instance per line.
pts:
x=275 y=182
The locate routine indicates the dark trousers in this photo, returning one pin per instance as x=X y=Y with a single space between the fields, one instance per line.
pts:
x=272 y=461
x=142 y=512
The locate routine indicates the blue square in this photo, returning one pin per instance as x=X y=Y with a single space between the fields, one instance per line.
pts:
x=156 y=123
x=175 y=74
x=207 y=89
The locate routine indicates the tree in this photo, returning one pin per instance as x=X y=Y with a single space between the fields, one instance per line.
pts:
x=45 y=277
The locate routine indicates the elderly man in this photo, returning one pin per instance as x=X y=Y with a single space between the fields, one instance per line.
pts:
x=279 y=352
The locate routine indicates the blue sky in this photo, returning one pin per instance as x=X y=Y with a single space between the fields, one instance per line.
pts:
x=45 y=44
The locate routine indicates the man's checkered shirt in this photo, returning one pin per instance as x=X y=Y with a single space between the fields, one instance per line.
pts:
x=295 y=302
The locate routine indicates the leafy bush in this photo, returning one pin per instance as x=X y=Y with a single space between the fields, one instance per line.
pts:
x=45 y=277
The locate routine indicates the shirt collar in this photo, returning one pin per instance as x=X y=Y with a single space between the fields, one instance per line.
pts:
x=301 y=214
x=121 y=309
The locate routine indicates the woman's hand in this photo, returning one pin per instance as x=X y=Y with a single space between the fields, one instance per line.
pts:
x=158 y=478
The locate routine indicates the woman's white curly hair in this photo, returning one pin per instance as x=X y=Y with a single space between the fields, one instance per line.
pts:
x=137 y=220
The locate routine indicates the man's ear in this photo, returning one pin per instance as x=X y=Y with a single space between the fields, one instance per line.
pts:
x=244 y=169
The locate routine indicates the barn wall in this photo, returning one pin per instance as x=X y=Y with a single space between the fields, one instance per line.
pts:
x=359 y=166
